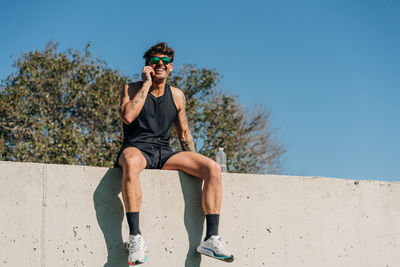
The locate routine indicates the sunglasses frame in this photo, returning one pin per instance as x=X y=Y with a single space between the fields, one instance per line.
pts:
x=160 y=58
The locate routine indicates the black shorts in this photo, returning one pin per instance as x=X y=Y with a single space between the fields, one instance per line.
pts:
x=155 y=155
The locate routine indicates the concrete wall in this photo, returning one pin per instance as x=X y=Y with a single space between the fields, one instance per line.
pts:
x=58 y=215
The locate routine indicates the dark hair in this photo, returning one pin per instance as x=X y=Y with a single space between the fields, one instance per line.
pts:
x=161 y=48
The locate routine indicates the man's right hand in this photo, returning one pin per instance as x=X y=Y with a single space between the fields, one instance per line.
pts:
x=147 y=72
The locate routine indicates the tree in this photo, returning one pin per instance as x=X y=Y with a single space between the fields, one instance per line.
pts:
x=61 y=107
x=217 y=119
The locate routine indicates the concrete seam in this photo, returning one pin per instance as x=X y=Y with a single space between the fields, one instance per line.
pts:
x=43 y=220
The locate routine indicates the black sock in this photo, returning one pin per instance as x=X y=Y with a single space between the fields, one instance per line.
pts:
x=212 y=225
x=133 y=222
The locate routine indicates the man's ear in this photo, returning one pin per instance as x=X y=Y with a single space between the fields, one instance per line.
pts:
x=172 y=67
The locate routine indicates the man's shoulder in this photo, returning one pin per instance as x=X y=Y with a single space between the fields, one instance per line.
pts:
x=179 y=97
x=176 y=91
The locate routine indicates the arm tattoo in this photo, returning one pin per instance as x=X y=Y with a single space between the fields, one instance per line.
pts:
x=184 y=119
x=137 y=100
x=188 y=145
x=135 y=103
x=186 y=140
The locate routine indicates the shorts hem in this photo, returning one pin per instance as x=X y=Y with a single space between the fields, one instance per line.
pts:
x=149 y=163
x=116 y=164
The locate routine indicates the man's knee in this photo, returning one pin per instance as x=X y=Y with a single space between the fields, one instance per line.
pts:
x=215 y=171
x=132 y=163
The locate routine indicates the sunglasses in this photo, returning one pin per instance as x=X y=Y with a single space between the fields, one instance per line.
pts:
x=165 y=60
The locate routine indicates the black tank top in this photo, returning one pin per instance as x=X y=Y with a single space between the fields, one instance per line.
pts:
x=154 y=123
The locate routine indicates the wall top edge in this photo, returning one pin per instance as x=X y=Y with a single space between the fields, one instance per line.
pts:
x=233 y=175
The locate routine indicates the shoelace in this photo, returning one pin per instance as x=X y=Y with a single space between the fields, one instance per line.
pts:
x=221 y=244
x=136 y=244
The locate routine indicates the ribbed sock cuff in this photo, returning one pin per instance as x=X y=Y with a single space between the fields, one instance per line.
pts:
x=133 y=222
x=212 y=221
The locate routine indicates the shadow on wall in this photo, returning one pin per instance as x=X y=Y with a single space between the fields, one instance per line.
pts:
x=193 y=216
x=110 y=213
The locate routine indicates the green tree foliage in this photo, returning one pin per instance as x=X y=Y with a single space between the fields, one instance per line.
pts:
x=61 y=107
x=217 y=119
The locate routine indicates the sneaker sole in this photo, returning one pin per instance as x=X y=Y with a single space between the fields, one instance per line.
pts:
x=137 y=262
x=228 y=259
x=209 y=254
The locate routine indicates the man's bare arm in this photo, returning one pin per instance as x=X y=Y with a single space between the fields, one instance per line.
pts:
x=182 y=126
x=133 y=96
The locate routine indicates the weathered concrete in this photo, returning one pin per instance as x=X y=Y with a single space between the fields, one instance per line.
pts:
x=58 y=215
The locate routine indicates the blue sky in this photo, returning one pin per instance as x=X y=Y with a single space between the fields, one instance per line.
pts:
x=329 y=71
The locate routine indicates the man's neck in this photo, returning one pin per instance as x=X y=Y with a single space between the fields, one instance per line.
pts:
x=158 y=87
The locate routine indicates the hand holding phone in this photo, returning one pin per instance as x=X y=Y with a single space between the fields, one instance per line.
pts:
x=147 y=72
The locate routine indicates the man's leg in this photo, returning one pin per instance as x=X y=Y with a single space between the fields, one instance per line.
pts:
x=200 y=166
x=133 y=162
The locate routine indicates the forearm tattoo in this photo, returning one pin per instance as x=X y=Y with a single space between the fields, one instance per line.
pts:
x=188 y=145
x=186 y=139
x=136 y=101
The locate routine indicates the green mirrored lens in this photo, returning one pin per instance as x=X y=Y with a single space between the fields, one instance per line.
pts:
x=166 y=60
x=154 y=60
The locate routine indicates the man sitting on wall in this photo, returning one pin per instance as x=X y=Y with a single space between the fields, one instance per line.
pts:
x=148 y=109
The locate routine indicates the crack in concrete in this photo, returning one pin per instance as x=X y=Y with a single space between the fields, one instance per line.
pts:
x=43 y=219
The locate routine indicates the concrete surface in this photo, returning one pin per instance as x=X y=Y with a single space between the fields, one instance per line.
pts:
x=61 y=215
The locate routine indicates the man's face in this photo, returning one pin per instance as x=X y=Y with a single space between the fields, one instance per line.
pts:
x=161 y=70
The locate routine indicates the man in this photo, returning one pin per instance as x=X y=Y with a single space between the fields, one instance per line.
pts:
x=148 y=110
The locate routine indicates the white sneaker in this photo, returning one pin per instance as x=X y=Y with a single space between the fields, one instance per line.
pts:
x=136 y=247
x=215 y=248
